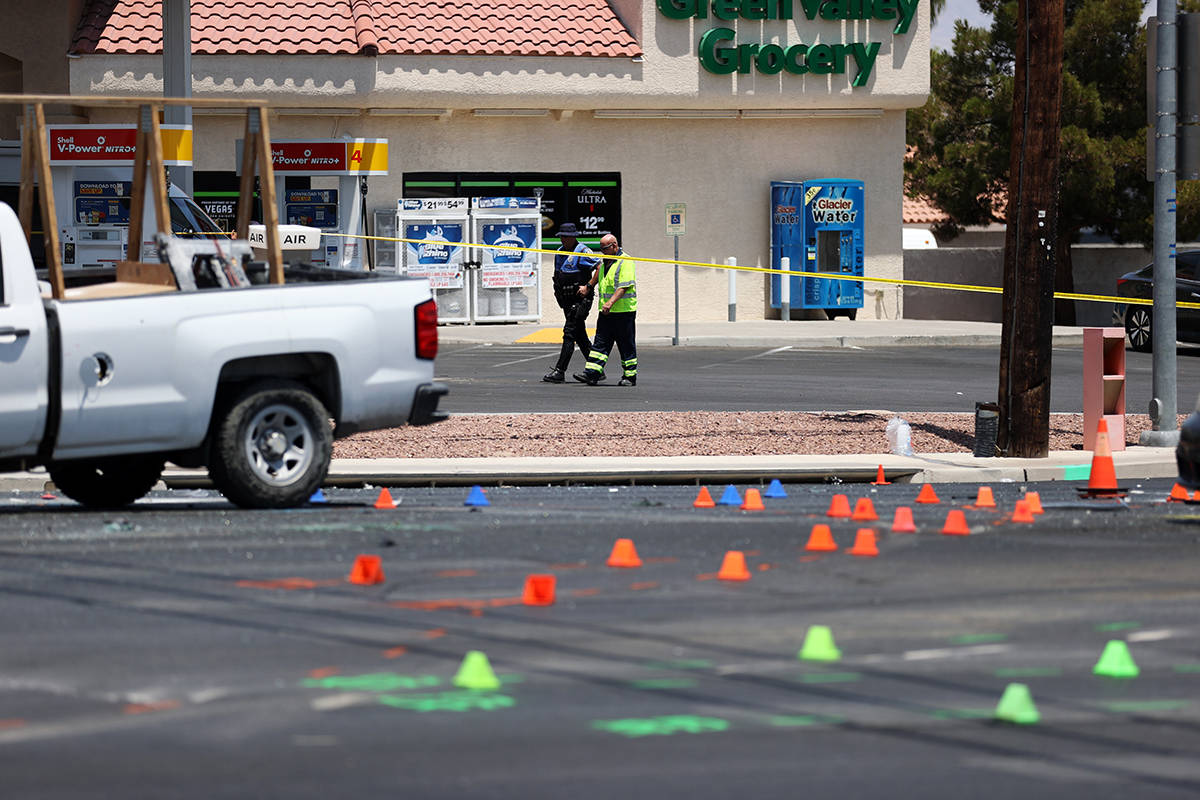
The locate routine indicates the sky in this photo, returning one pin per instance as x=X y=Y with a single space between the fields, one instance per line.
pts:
x=943 y=31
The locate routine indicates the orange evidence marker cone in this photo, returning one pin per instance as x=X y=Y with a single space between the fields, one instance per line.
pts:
x=733 y=567
x=821 y=539
x=624 y=554
x=753 y=501
x=880 y=477
x=1178 y=494
x=903 y=521
x=956 y=524
x=703 y=499
x=1034 y=501
x=927 y=495
x=864 y=543
x=539 y=590
x=864 y=510
x=385 y=499
x=1102 y=481
x=367 y=571
x=839 y=506
x=1022 y=512
x=985 y=499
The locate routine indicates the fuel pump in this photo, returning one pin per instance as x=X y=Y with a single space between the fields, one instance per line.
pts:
x=91 y=170
x=336 y=170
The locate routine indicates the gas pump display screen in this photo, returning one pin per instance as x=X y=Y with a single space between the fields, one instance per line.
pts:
x=102 y=202
x=315 y=207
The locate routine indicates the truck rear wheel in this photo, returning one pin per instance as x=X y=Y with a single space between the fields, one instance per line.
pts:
x=107 y=482
x=272 y=446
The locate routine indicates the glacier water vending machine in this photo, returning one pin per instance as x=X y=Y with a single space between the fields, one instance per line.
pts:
x=818 y=226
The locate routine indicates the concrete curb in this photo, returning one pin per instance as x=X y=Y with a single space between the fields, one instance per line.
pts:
x=1134 y=463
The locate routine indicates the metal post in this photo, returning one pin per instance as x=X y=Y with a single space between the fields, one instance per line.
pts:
x=675 y=338
x=785 y=289
x=732 y=262
x=1164 y=402
x=177 y=73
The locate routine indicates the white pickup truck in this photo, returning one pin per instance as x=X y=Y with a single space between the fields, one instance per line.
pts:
x=252 y=382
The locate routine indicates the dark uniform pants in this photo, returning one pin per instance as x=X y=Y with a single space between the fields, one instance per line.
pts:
x=619 y=328
x=575 y=329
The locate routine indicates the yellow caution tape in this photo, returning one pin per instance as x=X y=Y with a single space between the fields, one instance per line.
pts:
x=958 y=287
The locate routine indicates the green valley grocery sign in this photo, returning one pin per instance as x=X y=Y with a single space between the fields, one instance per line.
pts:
x=721 y=54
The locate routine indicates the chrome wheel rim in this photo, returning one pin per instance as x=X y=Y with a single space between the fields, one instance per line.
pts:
x=279 y=445
x=1139 y=327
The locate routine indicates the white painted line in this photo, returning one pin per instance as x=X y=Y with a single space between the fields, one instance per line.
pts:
x=546 y=354
x=770 y=352
x=954 y=652
x=338 y=701
x=1150 y=636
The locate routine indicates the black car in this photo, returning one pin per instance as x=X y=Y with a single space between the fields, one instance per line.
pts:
x=1138 y=318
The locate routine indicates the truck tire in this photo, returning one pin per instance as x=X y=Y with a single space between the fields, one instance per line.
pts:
x=107 y=482
x=272 y=446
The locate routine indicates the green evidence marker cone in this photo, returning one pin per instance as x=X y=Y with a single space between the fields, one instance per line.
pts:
x=476 y=673
x=1016 y=706
x=1116 y=662
x=818 y=645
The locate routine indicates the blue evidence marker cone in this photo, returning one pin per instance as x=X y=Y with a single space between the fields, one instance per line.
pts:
x=775 y=489
x=476 y=497
x=730 y=497
x=318 y=496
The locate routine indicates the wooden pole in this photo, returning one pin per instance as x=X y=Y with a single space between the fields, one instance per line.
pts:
x=266 y=172
x=156 y=172
x=1031 y=237
x=58 y=287
x=246 y=188
x=28 y=149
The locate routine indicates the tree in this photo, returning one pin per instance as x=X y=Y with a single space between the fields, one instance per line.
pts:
x=960 y=137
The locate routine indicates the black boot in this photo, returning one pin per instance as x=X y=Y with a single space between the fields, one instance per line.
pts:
x=589 y=376
x=628 y=380
x=555 y=375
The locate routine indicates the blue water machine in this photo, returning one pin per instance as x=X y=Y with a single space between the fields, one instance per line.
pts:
x=818 y=225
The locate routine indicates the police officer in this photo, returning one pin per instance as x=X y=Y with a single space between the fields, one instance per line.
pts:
x=574 y=271
x=617 y=290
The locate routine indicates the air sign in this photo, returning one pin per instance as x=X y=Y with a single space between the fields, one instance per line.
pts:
x=720 y=54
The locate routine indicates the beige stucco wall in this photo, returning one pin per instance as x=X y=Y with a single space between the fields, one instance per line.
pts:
x=721 y=168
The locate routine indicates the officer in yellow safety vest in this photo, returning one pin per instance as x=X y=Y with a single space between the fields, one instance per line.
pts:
x=617 y=294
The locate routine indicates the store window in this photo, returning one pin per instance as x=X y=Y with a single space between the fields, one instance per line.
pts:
x=217 y=193
x=592 y=200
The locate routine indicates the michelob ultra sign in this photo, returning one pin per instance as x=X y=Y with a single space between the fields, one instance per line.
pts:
x=113 y=145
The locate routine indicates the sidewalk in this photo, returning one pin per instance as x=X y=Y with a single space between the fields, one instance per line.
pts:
x=839 y=332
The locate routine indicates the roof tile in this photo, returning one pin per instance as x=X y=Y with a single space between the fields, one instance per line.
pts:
x=579 y=28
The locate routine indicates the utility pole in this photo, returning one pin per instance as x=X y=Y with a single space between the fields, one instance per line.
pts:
x=177 y=73
x=1029 y=242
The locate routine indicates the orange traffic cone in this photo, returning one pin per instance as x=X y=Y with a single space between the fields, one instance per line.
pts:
x=821 y=539
x=385 y=499
x=839 y=506
x=864 y=510
x=539 y=590
x=903 y=521
x=624 y=554
x=956 y=524
x=733 y=567
x=367 y=571
x=927 y=495
x=753 y=501
x=1022 y=513
x=880 y=477
x=864 y=543
x=1178 y=494
x=1102 y=482
x=703 y=499
x=985 y=499
x=1034 y=501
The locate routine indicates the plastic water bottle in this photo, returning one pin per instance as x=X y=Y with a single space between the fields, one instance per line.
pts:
x=899 y=436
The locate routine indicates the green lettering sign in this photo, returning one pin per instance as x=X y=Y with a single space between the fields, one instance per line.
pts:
x=720 y=54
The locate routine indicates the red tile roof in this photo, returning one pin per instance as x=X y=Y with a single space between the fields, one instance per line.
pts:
x=919 y=211
x=577 y=28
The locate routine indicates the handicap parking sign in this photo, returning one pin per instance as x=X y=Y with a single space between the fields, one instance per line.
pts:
x=676 y=218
